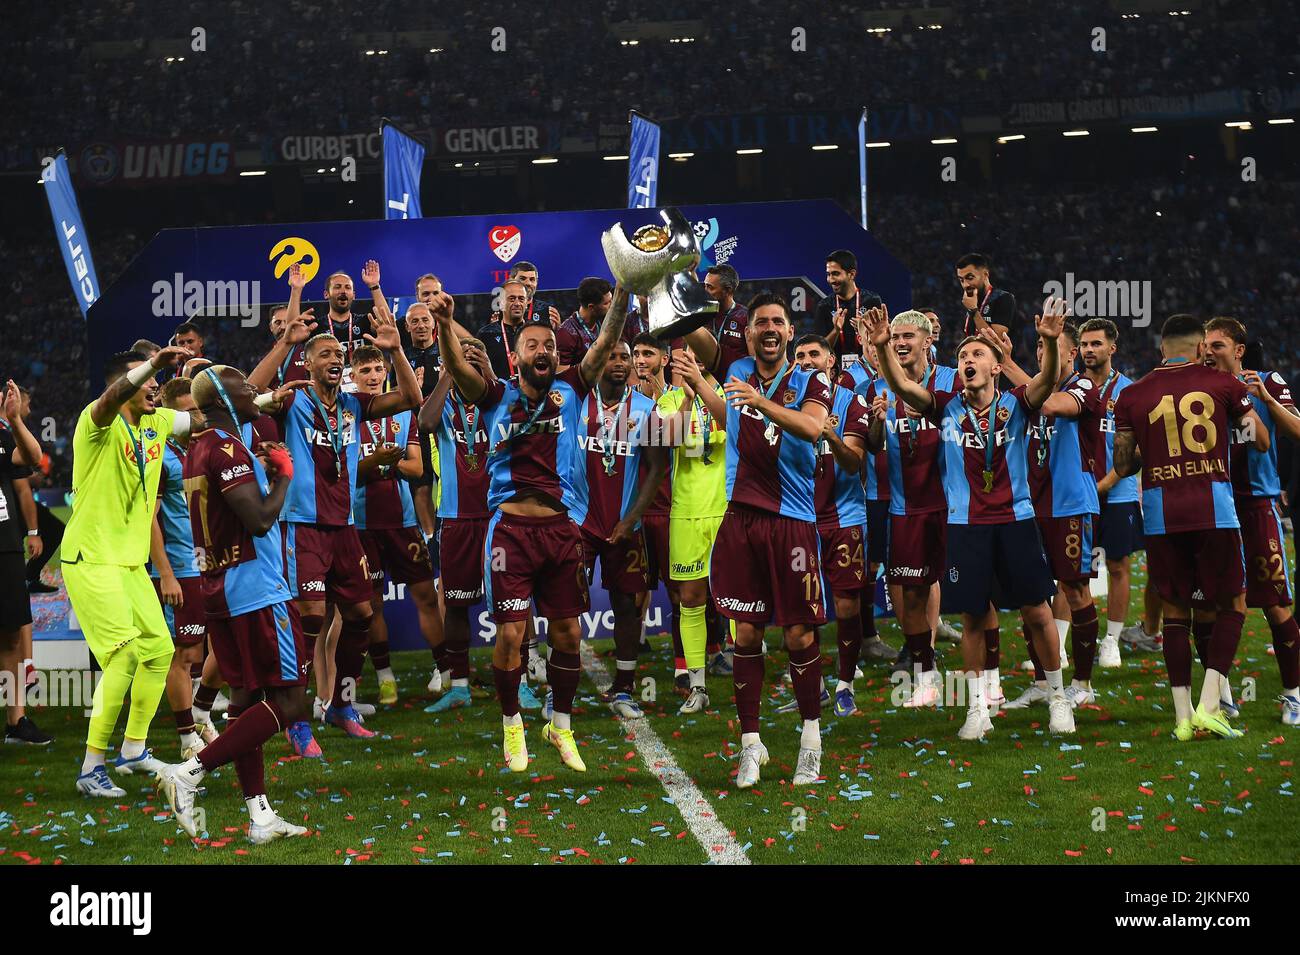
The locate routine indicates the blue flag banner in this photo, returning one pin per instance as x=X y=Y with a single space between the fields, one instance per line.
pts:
x=643 y=164
x=403 y=161
x=70 y=232
x=862 y=166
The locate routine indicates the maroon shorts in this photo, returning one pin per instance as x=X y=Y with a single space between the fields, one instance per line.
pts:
x=918 y=550
x=539 y=560
x=1192 y=566
x=843 y=558
x=772 y=569
x=1067 y=541
x=261 y=649
x=1268 y=576
x=399 y=551
x=623 y=566
x=655 y=528
x=460 y=548
x=327 y=562
x=188 y=623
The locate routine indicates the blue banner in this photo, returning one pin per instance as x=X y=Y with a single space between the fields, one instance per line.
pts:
x=643 y=164
x=70 y=232
x=862 y=166
x=403 y=161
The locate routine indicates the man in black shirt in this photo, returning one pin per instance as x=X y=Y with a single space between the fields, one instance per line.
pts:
x=537 y=310
x=422 y=352
x=985 y=305
x=19 y=450
x=498 y=336
x=836 y=316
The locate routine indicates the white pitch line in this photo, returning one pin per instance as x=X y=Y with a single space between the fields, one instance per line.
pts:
x=714 y=838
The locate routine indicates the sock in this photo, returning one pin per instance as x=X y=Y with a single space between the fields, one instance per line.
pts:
x=1033 y=658
x=810 y=737
x=922 y=652
x=747 y=676
x=1202 y=633
x=533 y=652
x=1062 y=628
x=350 y=660
x=379 y=658
x=563 y=671
x=507 y=682
x=717 y=629
x=749 y=739
x=1224 y=642
x=251 y=770
x=1113 y=627
x=1083 y=638
x=184 y=721
x=696 y=677
x=850 y=640
x=90 y=761
x=1286 y=648
x=439 y=654
x=992 y=684
x=1182 y=700
x=806 y=675
x=254 y=727
x=1178 y=652
x=679 y=646
x=131 y=748
x=1055 y=684
x=694 y=627
x=992 y=648
x=204 y=697
x=975 y=691
x=259 y=810
x=1211 y=692
x=624 y=676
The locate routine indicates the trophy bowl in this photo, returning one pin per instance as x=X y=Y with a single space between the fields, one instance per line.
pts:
x=659 y=262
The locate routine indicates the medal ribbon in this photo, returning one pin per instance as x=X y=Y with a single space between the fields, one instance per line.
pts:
x=137 y=442
x=987 y=442
x=335 y=433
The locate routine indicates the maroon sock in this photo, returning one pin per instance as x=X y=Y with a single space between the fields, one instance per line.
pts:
x=717 y=628
x=679 y=653
x=1178 y=652
x=1083 y=640
x=624 y=680
x=747 y=674
x=922 y=652
x=251 y=770
x=992 y=648
x=806 y=675
x=184 y=720
x=196 y=670
x=1225 y=640
x=232 y=712
x=379 y=657
x=868 y=613
x=440 y=653
x=850 y=637
x=204 y=697
x=563 y=671
x=349 y=659
x=1039 y=673
x=1202 y=634
x=1286 y=647
x=507 y=682
x=254 y=727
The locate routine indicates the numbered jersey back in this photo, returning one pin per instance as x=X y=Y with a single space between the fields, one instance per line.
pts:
x=1181 y=416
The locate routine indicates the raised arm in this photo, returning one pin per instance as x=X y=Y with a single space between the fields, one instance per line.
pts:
x=467 y=381
x=387 y=337
x=296 y=331
x=611 y=329
x=877 y=326
x=119 y=392
x=430 y=416
x=27 y=450
x=1049 y=326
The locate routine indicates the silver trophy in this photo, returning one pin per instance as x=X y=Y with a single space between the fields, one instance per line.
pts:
x=659 y=262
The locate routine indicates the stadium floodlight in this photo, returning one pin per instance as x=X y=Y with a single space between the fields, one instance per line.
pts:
x=748 y=152
x=435 y=49
x=1075 y=132
x=370 y=52
x=1014 y=137
x=947 y=141
x=253 y=172
x=680 y=155
x=879 y=30
x=613 y=158
x=545 y=161
x=321 y=170
x=1238 y=124
x=1281 y=122
x=628 y=42
x=878 y=145
x=459 y=165
x=1143 y=129
x=821 y=147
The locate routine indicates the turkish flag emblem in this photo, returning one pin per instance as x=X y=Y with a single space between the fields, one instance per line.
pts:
x=504 y=240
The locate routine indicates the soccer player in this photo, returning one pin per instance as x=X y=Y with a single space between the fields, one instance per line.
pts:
x=117 y=459
x=346 y=327
x=385 y=518
x=1173 y=425
x=176 y=578
x=1119 y=532
x=986 y=306
x=461 y=434
x=577 y=332
x=1064 y=448
x=694 y=416
x=772 y=569
x=1256 y=488
x=533 y=550
x=993 y=548
x=841 y=508
x=917 y=529
x=19 y=449
x=616 y=431
x=235 y=495
x=327 y=562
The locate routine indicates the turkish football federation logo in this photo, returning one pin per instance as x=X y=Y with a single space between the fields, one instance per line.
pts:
x=504 y=240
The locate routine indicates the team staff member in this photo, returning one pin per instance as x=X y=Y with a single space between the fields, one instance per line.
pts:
x=721 y=282
x=498 y=336
x=836 y=316
x=985 y=305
